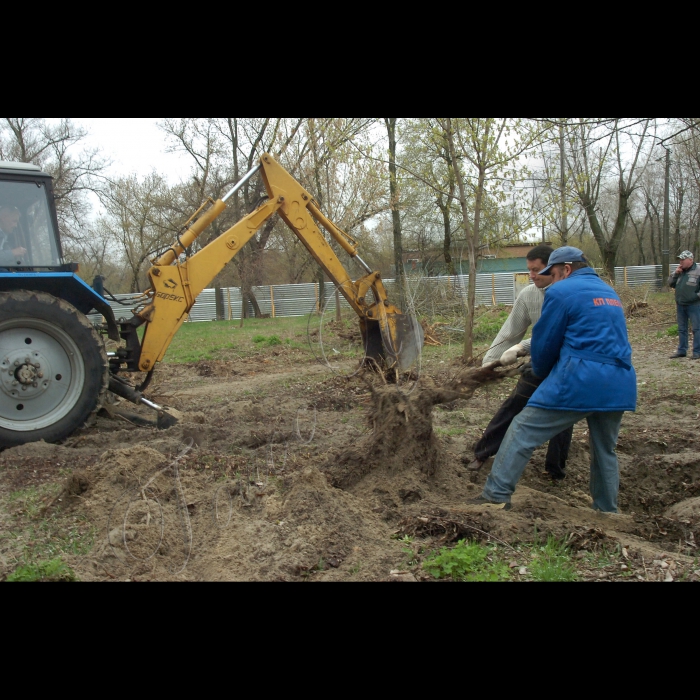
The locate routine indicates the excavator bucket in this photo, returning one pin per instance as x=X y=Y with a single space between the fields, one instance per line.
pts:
x=393 y=342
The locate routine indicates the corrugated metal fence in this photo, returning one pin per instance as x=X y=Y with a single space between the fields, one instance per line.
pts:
x=300 y=299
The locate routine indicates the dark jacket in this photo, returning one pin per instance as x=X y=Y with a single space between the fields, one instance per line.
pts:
x=687 y=285
x=7 y=243
x=580 y=345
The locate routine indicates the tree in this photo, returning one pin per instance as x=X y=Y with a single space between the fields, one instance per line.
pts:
x=57 y=149
x=484 y=153
x=318 y=152
x=137 y=219
x=607 y=155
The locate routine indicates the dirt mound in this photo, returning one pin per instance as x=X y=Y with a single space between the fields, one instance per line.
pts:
x=686 y=510
x=309 y=529
x=166 y=521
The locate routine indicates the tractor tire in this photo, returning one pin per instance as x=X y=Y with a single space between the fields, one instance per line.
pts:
x=53 y=368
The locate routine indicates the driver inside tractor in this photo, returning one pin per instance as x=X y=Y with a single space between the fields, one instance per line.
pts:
x=27 y=237
x=11 y=252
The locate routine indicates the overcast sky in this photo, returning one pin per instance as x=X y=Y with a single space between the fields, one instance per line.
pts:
x=135 y=145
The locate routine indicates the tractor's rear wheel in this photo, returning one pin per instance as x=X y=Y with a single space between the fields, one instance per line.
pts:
x=53 y=368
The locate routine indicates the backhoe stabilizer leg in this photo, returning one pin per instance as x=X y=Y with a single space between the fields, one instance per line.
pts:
x=167 y=417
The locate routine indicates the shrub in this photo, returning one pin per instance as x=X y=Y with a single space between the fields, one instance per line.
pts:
x=267 y=340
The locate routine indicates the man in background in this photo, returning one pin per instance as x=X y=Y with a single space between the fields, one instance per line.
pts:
x=686 y=281
x=506 y=347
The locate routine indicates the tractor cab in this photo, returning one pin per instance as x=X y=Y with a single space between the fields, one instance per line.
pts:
x=29 y=238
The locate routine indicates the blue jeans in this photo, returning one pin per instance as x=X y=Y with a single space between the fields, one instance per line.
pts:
x=685 y=313
x=532 y=427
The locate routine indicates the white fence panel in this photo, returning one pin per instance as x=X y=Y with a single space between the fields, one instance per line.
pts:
x=281 y=300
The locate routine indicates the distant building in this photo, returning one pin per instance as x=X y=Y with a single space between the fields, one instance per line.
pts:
x=507 y=258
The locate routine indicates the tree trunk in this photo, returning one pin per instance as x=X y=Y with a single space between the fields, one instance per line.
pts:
x=447 y=239
x=562 y=166
x=677 y=230
x=395 y=214
x=321 y=281
x=470 y=238
x=608 y=248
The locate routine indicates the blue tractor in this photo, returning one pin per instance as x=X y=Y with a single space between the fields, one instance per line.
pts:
x=54 y=368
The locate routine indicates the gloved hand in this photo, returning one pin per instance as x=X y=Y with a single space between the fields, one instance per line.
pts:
x=511 y=355
x=527 y=374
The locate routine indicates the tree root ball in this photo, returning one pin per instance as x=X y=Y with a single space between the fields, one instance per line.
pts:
x=402 y=425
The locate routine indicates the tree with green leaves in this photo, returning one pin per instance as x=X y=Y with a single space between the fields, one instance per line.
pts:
x=484 y=154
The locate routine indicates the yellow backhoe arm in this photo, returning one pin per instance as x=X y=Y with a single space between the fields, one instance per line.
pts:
x=175 y=285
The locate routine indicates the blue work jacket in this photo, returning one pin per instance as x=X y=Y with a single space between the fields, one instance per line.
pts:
x=580 y=345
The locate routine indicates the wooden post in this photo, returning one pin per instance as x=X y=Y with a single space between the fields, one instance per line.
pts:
x=337 y=305
x=316 y=295
x=625 y=272
x=272 y=301
x=230 y=313
x=493 y=289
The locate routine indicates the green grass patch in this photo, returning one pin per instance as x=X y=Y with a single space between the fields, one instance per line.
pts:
x=226 y=340
x=552 y=562
x=267 y=340
x=37 y=537
x=52 y=570
x=468 y=561
x=30 y=501
x=486 y=326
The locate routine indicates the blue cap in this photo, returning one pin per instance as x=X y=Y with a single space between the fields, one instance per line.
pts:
x=566 y=254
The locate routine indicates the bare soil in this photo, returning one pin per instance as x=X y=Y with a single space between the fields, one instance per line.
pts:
x=282 y=470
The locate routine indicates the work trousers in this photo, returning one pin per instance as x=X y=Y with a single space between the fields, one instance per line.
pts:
x=532 y=427
x=688 y=314
x=487 y=446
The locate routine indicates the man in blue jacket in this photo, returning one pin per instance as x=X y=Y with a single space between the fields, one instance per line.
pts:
x=580 y=347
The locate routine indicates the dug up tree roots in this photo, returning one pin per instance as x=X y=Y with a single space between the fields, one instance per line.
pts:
x=402 y=434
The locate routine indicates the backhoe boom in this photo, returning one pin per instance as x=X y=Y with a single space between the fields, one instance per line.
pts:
x=389 y=335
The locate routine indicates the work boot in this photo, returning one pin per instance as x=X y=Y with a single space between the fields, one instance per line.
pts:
x=475 y=464
x=495 y=505
x=677 y=354
x=554 y=474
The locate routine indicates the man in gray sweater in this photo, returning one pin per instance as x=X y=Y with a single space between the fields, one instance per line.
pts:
x=507 y=346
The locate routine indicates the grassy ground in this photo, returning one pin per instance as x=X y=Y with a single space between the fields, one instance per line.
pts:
x=225 y=340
